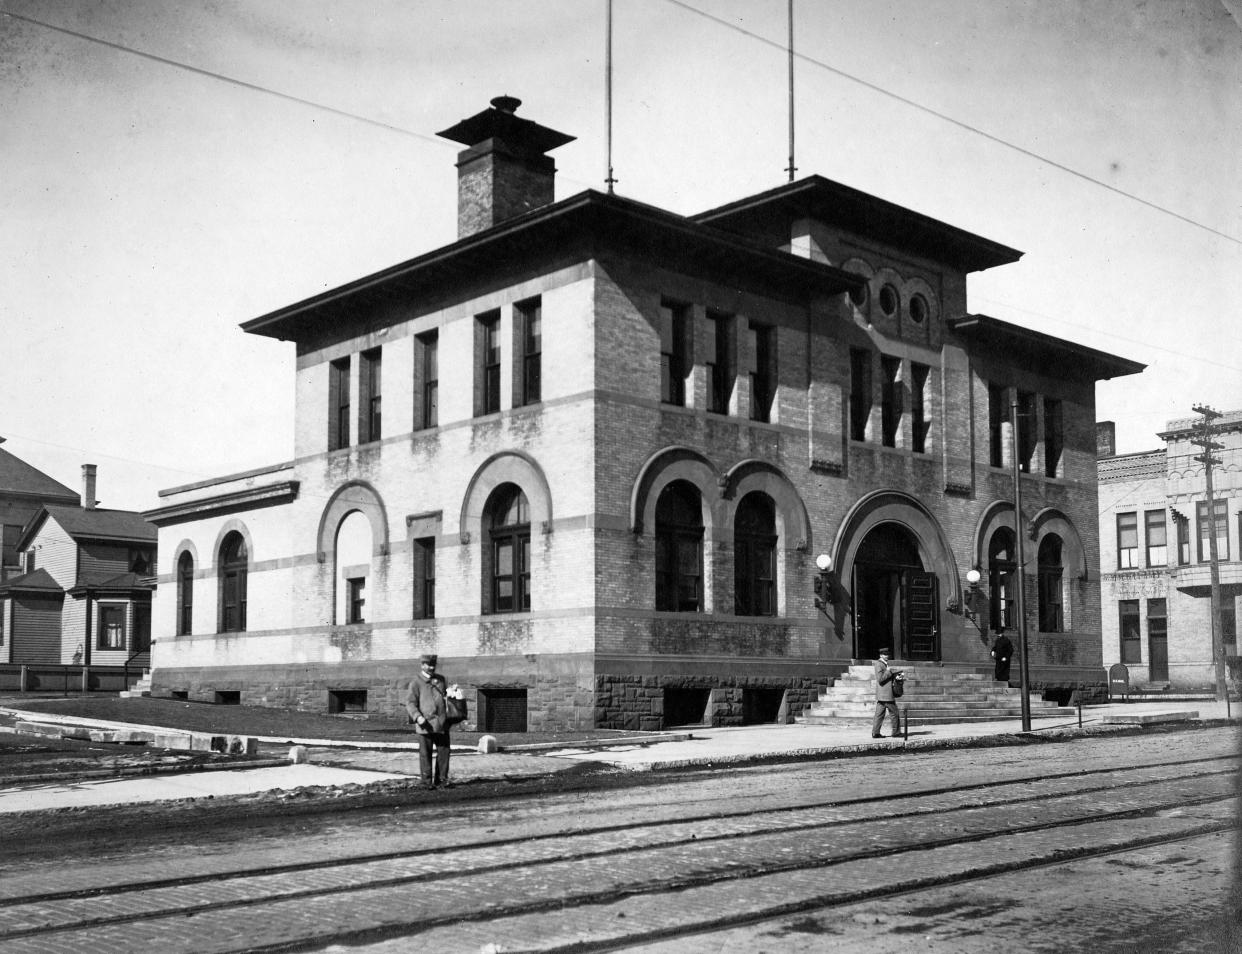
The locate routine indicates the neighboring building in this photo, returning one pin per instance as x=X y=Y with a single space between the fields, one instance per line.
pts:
x=1154 y=554
x=84 y=596
x=590 y=451
x=23 y=490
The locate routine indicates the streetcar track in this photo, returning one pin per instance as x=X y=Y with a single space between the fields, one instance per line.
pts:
x=888 y=798
x=702 y=877
x=844 y=899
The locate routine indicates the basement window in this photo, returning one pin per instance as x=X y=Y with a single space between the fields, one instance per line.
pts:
x=346 y=700
x=502 y=709
x=228 y=697
x=761 y=705
x=687 y=706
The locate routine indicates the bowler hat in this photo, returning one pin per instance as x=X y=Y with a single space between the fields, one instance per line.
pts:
x=885 y=652
x=429 y=658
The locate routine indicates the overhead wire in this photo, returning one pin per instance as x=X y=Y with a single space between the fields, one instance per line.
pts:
x=945 y=117
x=343 y=113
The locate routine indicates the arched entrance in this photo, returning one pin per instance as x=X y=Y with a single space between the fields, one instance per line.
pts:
x=895 y=598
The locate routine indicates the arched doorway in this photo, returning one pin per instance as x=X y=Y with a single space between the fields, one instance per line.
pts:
x=895 y=599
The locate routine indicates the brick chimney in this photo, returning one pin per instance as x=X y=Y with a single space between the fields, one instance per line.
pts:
x=88 y=487
x=1105 y=439
x=503 y=171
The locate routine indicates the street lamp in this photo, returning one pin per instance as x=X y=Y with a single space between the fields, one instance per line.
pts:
x=970 y=610
x=824 y=562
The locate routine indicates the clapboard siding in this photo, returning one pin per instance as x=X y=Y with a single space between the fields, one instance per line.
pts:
x=36 y=629
x=100 y=560
x=56 y=552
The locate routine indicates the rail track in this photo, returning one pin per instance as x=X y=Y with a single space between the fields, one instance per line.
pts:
x=585 y=880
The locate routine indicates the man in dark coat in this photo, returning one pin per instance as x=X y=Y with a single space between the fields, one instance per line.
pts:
x=884 y=700
x=428 y=709
x=1002 y=654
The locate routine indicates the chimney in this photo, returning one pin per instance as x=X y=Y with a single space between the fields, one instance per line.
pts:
x=88 y=487
x=1105 y=439
x=503 y=171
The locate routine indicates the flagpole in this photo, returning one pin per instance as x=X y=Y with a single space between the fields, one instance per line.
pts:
x=609 y=180
x=791 y=168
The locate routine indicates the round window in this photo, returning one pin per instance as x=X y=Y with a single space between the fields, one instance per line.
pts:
x=918 y=309
x=860 y=295
x=889 y=300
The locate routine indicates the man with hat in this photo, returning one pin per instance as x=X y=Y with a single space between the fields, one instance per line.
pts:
x=885 y=702
x=428 y=709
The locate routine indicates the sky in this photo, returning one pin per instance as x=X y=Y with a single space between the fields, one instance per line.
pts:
x=171 y=170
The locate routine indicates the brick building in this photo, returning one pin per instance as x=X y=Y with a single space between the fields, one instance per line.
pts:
x=1154 y=554
x=590 y=452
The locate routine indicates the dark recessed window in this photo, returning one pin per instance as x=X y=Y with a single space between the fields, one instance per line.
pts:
x=918 y=309
x=890 y=301
x=530 y=318
x=859 y=296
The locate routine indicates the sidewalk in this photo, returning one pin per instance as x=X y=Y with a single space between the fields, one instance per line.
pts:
x=334 y=764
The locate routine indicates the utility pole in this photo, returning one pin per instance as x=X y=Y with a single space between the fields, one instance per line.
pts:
x=1207 y=460
x=1020 y=535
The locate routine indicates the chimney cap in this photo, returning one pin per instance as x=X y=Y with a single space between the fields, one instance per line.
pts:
x=499 y=122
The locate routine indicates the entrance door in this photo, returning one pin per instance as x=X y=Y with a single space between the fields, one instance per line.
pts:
x=1158 y=658
x=921 y=615
x=895 y=602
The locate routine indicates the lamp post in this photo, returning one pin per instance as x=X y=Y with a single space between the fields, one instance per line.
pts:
x=1018 y=532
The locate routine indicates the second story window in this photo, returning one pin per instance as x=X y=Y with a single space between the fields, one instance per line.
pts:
x=1183 y=539
x=530 y=318
x=489 y=363
x=1026 y=430
x=763 y=379
x=1054 y=437
x=1222 y=530
x=719 y=362
x=919 y=423
x=890 y=400
x=427 y=389
x=1127 y=541
x=674 y=352
x=998 y=415
x=12 y=533
x=860 y=393
x=338 y=404
x=1157 y=542
x=369 y=396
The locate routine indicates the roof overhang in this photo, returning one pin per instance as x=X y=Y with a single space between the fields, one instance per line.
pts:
x=1034 y=349
x=860 y=214
x=251 y=498
x=585 y=225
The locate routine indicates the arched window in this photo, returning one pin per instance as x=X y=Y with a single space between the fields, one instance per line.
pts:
x=508 y=521
x=185 y=594
x=754 y=556
x=679 y=549
x=234 y=559
x=1001 y=568
x=1051 y=616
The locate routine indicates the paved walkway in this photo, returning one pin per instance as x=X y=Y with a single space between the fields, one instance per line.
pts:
x=336 y=764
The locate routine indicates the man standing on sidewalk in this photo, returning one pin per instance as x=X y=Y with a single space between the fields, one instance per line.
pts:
x=428 y=709
x=884 y=699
